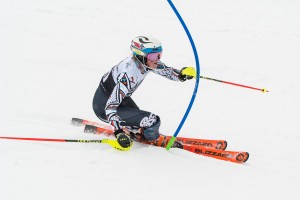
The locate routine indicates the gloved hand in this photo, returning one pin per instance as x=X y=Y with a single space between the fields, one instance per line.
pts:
x=187 y=73
x=123 y=139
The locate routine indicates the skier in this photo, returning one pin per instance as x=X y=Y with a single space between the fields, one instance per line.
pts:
x=112 y=102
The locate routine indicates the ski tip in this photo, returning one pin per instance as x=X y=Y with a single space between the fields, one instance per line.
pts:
x=247 y=156
x=242 y=157
x=221 y=145
x=90 y=129
x=224 y=145
x=76 y=121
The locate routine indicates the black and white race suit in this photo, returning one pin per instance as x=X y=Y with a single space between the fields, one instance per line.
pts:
x=112 y=102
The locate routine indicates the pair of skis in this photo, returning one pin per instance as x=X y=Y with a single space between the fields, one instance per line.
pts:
x=209 y=148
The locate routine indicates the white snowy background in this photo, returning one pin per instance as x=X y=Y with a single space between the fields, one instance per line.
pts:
x=53 y=54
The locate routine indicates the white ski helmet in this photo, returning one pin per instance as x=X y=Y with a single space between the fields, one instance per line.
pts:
x=142 y=46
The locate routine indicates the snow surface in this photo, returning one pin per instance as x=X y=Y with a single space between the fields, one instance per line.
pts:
x=53 y=54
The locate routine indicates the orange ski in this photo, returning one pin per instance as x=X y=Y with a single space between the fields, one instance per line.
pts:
x=210 y=148
x=232 y=156
x=97 y=128
x=215 y=144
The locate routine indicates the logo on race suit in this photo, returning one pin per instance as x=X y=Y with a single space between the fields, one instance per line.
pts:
x=129 y=82
x=124 y=79
x=132 y=80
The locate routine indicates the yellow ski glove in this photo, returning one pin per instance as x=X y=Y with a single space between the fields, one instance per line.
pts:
x=187 y=73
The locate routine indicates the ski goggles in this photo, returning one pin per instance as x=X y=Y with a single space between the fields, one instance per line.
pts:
x=154 y=56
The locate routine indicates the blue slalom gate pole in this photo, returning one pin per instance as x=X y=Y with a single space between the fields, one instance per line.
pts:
x=197 y=76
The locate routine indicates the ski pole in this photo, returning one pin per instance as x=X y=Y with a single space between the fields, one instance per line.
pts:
x=264 y=90
x=112 y=143
x=190 y=71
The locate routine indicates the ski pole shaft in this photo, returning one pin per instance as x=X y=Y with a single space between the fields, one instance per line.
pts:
x=51 y=140
x=190 y=71
x=112 y=143
x=236 y=84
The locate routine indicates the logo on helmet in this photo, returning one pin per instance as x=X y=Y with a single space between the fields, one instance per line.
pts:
x=142 y=41
x=137 y=45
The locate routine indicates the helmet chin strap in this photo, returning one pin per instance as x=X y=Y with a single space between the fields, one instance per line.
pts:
x=142 y=63
x=145 y=66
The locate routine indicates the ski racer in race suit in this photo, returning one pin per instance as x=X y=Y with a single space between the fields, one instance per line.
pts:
x=112 y=102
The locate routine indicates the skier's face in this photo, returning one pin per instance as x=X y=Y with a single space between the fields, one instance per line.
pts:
x=152 y=64
x=152 y=59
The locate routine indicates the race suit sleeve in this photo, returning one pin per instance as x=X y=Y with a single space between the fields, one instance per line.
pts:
x=168 y=72
x=120 y=91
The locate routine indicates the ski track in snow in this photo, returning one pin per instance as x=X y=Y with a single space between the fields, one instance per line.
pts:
x=53 y=54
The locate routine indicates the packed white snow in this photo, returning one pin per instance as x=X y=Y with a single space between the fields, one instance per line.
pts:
x=53 y=54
